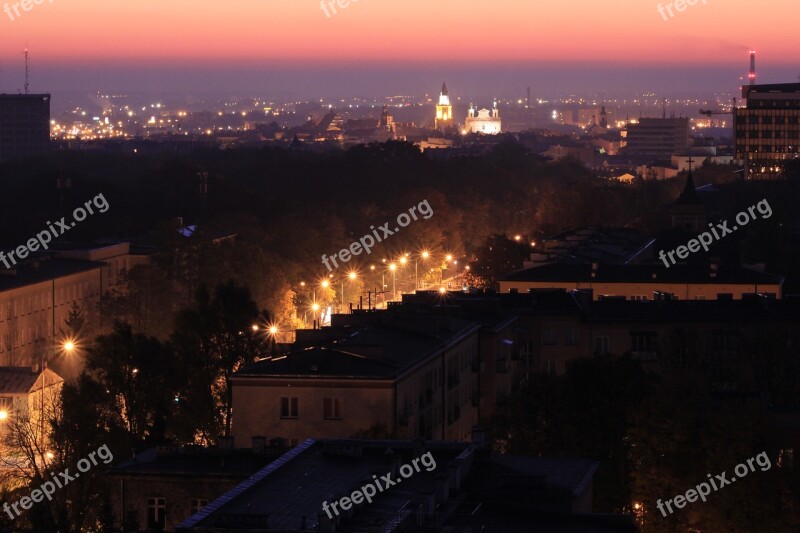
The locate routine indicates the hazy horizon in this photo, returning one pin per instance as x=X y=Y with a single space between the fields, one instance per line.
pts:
x=372 y=48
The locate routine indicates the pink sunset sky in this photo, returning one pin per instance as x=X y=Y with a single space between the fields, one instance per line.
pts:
x=386 y=46
x=617 y=31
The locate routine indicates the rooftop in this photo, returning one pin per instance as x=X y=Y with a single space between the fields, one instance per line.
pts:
x=38 y=271
x=680 y=273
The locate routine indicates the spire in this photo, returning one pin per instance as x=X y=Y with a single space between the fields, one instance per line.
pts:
x=689 y=194
x=444 y=88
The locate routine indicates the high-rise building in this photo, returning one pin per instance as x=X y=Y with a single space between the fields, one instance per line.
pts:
x=767 y=130
x=444 y=111
x=658 y=138
x=24 y=125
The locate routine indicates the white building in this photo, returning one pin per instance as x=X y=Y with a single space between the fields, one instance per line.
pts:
x=484 y=121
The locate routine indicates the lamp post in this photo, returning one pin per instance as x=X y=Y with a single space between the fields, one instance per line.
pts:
x=315 y=308
x=393 y=268
x=424 y=255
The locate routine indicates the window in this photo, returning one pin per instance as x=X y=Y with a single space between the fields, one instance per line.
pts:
x=643 y=342
x=288 y=407
x=6 y=403
x=571 y=337
x=549 y=367
x=639 y=298
x=601 y=344
x=198 y=504
x=156 y=513
x=549 y=337
x=330 y=409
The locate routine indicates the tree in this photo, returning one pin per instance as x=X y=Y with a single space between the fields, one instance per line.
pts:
x=77 y=422
x=497 y=257
x=141 y=378
x=214 y=339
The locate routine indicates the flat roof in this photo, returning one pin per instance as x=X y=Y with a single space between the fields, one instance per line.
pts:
x=609 y=273
x=48 y=269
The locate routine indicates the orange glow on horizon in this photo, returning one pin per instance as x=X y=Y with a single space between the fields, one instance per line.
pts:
x=507 y=31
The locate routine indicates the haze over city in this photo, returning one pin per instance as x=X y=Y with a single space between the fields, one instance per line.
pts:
x=374 y=48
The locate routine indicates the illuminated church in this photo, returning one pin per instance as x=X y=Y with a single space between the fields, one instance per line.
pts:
x=444 y=111
x=484 y=121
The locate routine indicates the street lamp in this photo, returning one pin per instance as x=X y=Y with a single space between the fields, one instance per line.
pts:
x=393 y=268
x=315 y=308
x=424 y=255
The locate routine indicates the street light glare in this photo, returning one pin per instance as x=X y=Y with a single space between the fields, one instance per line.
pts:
x=69 y=346
x=392 y=267
x=352 y=275
x=273 y=330
x=3 y=415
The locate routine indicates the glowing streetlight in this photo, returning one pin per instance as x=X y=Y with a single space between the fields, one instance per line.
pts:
x=69 y=346
x=273 y=330
x=254 y=327
x=517 y=238
x=442 y=290
x=3 y=415
x=352 y=276
x=448 y=258
x=325 y=283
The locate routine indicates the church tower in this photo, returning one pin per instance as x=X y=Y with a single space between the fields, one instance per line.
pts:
x=444 y=111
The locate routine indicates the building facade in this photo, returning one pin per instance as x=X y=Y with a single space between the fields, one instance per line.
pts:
x=767 y=130
x=658 y=138
x=483 y=121
x=24 y=125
